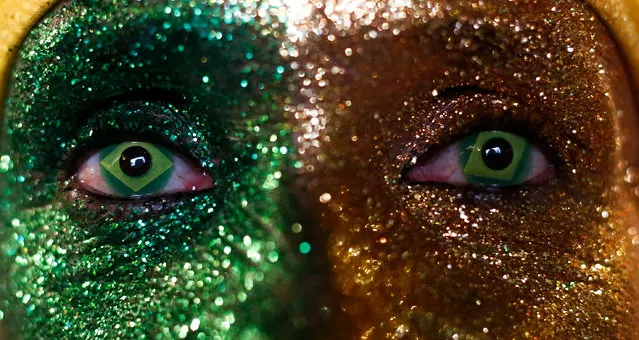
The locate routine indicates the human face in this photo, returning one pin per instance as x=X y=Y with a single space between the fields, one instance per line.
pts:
x=384 y=88
x=420 y=244
x=215 y=254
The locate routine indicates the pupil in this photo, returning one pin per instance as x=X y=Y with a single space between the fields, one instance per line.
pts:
x=135 y=161
x=497 y=153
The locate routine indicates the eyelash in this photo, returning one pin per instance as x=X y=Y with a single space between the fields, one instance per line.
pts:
x=121 y=122
x=452 y=164
x=102 y=139
x=505 y=120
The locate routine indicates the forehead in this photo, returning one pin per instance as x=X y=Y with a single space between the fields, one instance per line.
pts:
x=343 y=17
x=306 y=18
x=297 y=23
x=409 y=39
x=541 y=52
x=345 y=40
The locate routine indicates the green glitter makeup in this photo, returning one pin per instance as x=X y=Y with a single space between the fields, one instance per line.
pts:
x=197 y=84
x=358 y=94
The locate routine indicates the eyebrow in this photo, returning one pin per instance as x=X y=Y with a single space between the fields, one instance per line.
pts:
x=488 y=37
x=60 y=77
x=59 y=41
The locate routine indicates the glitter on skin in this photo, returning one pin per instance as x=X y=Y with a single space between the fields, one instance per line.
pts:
x=472 y=264
x=387 y=81
x=205 y=79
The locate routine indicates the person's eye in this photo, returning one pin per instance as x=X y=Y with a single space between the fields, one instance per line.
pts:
x=487 y=158
x=136 y=169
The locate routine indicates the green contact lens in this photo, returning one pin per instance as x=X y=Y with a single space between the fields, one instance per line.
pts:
x=495 y=158
x=136 y=168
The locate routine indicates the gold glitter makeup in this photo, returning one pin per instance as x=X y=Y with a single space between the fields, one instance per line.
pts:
x=374 y=90
x=390 y=82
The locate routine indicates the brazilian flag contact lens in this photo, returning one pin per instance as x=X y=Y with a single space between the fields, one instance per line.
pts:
x=495 y=158
x=136 y=168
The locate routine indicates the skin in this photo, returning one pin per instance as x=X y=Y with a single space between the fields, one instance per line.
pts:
x=407 y=260
x=223 y=262
x=552 y=259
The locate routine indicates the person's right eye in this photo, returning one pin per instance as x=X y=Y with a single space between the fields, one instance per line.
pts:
x=139 y=169
x=487 y=158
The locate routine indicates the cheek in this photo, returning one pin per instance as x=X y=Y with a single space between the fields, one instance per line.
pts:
x=37 y=244
x=433 y=263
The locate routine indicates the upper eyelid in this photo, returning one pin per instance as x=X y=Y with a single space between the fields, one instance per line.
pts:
x=99 y=138
x=463 y=89
x=444 y=99
x=141 y=95
x=416 y=147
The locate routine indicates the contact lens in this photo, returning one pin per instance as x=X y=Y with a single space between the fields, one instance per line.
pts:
x=135 y=161
x=136 y=168
x=495 y=158
x=497 y=154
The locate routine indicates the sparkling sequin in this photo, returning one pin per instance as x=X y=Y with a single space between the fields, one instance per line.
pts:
x=368 y=86
x=205 y=78
x=388 y=81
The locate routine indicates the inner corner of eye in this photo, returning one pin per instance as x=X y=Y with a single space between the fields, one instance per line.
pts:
x=138 y=169
x=488 y=158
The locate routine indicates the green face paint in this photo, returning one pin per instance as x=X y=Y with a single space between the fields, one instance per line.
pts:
x=205 y=78
x=495 y=158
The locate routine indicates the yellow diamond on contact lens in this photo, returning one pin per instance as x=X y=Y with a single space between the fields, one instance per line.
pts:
x=136 y=168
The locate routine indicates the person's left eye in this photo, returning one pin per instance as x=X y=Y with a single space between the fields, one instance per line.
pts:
x=488 y=158
x=136 y=169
